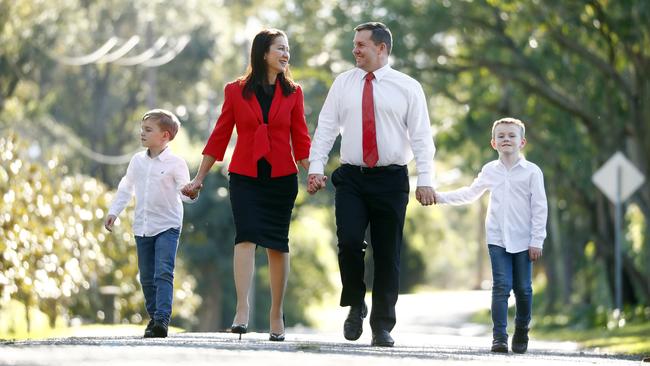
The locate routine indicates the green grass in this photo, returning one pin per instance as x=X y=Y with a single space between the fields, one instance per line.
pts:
x=633 y=338
x=630 y=339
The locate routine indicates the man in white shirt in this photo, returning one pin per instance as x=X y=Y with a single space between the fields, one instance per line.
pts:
x=156 y=177
x=383 y=119
x=515 y=226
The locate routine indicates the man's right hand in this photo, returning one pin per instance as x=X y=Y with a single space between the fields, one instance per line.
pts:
x=316 y=182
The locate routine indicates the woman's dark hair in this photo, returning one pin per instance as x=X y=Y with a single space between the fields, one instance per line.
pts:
x=256 y=74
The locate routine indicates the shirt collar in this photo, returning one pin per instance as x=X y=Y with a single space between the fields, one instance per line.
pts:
x=379 y=73
x=521 y=162
x=163 y=156
x=382 y=72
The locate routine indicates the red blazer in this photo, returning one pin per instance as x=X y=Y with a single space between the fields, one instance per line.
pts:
x=286 y=129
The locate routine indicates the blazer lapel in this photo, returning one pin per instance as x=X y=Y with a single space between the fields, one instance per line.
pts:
x=254 y=105
x=278 y=100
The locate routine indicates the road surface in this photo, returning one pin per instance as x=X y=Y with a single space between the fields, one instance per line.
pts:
x=433 y=329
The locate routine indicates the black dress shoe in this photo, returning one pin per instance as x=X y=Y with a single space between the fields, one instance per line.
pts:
x=159 y=330
x=499 y=346
x=353 y=325
x=148 y=331
x=520 y=340
x=382 y=338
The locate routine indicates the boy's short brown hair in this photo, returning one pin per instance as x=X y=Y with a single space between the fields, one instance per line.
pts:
x=167 y=121
x=512 y=121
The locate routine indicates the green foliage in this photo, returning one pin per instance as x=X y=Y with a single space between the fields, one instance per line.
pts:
x=207 y=247
x=314 y=267
x=575 y=72
x=56 y=254
x=595 y=326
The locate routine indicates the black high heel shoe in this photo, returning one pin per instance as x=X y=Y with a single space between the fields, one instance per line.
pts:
x=239 y=329
x=277 y=337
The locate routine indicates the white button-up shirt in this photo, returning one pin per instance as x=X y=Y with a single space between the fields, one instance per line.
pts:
x=401 y=121
x=156 y=183
x=517 y=211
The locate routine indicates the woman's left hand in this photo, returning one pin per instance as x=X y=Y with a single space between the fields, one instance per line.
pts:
x=304 y=163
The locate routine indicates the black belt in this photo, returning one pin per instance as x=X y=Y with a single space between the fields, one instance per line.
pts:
x=377 y=169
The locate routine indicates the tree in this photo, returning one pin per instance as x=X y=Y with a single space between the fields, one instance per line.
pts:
x=576 y=72
x=56 y=254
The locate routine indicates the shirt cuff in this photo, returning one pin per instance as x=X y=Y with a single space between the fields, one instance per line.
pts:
x=316 y=167
x=424 y=180
x=186 y=199
x=536 y=245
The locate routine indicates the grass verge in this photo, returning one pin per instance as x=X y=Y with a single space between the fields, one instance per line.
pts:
x=631 y=339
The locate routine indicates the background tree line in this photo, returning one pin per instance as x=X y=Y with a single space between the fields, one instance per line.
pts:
x=576 y=72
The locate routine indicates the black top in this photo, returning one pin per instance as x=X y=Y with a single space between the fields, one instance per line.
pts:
x=264 y=94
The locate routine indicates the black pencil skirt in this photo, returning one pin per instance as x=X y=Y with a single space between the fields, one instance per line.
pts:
x=262 y=206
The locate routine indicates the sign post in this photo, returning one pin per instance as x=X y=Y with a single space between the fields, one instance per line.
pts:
x=618 y=178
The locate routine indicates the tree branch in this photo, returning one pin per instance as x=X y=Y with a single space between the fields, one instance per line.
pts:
x=589 y=56
x=543 y=89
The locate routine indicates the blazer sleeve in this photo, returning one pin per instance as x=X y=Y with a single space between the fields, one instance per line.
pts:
x=220 y=136
x=299 y=133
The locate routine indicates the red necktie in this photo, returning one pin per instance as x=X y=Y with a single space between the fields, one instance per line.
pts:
x=370 y=153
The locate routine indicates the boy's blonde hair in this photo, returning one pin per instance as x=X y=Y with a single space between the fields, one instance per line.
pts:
x=167 y=121
x=512 y=121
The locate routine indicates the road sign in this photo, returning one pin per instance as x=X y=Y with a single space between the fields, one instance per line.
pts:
x=606 y=178
x=618 y=179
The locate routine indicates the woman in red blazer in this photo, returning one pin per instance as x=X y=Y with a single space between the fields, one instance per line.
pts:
x=267 y=109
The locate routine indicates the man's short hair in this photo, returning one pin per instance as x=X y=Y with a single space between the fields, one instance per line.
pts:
x=509 y=120
x=167 y=121
x=380 y=33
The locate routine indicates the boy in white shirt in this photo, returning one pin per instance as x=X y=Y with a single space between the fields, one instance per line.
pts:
x=156 y=176
x=515 y=227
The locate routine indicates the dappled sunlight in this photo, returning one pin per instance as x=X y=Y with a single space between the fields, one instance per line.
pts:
x=76 y=77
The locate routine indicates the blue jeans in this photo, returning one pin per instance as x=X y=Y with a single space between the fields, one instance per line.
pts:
x=156 y=261
x=510 y=271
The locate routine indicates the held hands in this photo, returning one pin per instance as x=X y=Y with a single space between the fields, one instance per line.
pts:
x=534 y=253
x=108 y=223
x=425 y=195
x=192 y=188
x=316 y=182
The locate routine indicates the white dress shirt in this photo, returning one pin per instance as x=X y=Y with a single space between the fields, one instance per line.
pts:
x=157 y=183
x=401 y=121
x=517 y=211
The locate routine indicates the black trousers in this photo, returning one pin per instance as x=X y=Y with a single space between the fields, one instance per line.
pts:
x=375 y=197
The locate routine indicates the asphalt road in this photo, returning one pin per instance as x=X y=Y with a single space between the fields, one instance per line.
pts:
x=432 y=329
